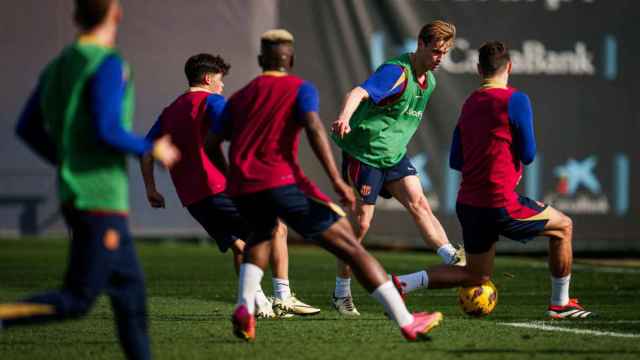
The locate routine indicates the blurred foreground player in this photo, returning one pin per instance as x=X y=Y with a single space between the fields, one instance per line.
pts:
x=492 y=142
x=78 y=119
x=200 y=182
x=263 y=121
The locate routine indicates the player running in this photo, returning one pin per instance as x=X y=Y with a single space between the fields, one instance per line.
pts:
x=375 y=125
x=200 y=183
x=492 y=142
x=263 y=121
x=78 y=119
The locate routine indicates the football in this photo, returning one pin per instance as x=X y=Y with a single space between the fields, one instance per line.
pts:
x=478 y=301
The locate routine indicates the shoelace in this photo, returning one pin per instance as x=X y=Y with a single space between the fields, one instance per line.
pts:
x=348 y=303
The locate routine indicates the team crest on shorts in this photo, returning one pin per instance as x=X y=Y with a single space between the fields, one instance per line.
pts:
x=111 y=240
x=365 y=190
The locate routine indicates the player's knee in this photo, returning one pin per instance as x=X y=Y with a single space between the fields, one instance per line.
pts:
x=281 y=230
x=363 y=227
x=566 y=226
x=237 y=247
x=419 y=205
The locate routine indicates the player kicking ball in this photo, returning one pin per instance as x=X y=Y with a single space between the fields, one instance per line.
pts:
x=200 y=182
x=375 y=125
x=492 y=142
x=263 y=122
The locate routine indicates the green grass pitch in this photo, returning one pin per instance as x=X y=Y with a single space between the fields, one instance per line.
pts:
x=191 y=290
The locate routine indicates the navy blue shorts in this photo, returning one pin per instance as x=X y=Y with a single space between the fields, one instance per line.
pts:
x=481 y=227
x=101 y=252
x=220 y=217
x=307 y=215
x=368 y=181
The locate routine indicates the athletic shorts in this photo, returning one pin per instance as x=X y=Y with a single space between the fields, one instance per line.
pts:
x=309 y=216
x=220 y=217
x=368 y=181
x=481 y=227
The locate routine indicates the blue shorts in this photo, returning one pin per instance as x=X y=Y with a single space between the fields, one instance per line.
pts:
x=220 y=217
x=368 y=181
x=308 y=216
x=481 y=227
x=102 y=256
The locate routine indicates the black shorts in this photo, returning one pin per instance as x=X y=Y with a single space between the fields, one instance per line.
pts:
x=368 y=181
x=220 y=217
x=481 y=227
x=307 y=215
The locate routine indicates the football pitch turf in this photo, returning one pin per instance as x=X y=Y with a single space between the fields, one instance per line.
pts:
x=191 y=289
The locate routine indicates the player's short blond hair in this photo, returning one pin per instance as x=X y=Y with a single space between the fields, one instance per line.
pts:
x=438 y=30
x=277 y=36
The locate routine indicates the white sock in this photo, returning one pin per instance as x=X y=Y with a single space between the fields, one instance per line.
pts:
x=343 y=287
x=248 y=285
x=281 y=288
x=388 y=296
x=261 y=298
x=560 y=290
x=414 y=281
x=447 y=252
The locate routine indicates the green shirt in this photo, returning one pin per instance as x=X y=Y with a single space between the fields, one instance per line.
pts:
x=91 y=175
x=380 y=133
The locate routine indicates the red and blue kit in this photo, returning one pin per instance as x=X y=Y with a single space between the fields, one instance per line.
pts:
x=188 y=120
x=199 y=184
x=263 y=121
x=492 y=142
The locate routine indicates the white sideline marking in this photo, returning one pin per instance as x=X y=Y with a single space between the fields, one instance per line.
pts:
x=544 y=327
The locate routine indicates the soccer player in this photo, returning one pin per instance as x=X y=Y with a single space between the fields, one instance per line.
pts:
x=263 y=121
x=78 y=119
x=373 y=129
x=492 y=142
x=200 y=183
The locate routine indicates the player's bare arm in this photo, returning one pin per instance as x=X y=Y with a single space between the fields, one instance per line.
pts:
x=155 y=198
x=351 y=103
x=213 y=148
x=320 y=144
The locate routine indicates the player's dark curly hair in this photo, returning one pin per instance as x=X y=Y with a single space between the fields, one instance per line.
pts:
x=492 y=56
x=199 y=65
x=89 y=13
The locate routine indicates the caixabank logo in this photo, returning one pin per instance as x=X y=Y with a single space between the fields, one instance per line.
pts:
x=578 y=188
x=534 y=57
x=530 y=57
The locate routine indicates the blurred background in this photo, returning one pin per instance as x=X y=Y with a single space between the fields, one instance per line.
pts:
x=575 y=58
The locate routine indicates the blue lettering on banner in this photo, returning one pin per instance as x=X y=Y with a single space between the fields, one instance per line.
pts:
x=621 y=183
x=532 y=175
x=610 y=57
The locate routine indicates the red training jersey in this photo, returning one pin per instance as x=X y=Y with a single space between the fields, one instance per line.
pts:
x=194 y=175
x=264 y=129
x=491 y=168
